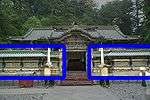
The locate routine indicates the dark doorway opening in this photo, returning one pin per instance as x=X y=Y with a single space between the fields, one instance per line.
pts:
x=76 y=65
x=76 y=61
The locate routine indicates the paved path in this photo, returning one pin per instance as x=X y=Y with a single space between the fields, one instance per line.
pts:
x=57 y=93
x=118 y=91
x=81 y=93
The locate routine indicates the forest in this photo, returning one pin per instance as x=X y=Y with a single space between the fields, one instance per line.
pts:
x=17 y=16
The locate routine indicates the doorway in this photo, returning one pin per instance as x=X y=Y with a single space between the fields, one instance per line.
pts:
x=76 y=61
x=76 y=65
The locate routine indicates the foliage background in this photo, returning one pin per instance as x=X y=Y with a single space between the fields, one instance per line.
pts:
x=17 y=16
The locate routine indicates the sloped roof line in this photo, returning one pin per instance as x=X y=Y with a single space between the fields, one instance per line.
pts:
x=75 y=27
x=118 y=30
x=103 y=35
x=28 y=32
x=32 y=29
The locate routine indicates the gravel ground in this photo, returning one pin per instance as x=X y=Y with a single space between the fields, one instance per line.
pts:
x=128 y=90
x=118 y=91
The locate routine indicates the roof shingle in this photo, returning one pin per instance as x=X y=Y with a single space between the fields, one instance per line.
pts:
x=106 y=32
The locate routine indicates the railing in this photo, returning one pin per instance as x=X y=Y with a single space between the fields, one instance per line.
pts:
x=112 y=70
x=37 y=71
x=55 y=71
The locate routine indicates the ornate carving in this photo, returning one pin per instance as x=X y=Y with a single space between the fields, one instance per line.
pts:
x=76 y=41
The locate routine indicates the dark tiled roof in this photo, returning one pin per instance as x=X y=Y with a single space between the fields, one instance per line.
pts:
x=106 y=32
x=123 y=53
x=129 y=53
x=110 y=32
x=37 y=53
x=25 y=53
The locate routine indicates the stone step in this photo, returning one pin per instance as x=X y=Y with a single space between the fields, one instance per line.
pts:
x=75 y=83
x=76 y=78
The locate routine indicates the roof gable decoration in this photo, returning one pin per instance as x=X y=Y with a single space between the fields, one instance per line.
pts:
x=75 y=28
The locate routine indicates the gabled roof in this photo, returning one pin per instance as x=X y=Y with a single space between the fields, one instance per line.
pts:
x=105 y=32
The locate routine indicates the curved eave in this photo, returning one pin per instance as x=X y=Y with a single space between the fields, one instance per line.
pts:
x=124 y=54
x=63 y=36
x=124 y=39
x=68 y=33
x=25 y=53
x=85 y=33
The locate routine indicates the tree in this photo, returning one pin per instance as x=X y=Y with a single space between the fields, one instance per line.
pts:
x=147 y=13
x=17 y=16
x=137 y=16
x=146 y=25
x=7 y=27
x=31 y=23
x=119 y=13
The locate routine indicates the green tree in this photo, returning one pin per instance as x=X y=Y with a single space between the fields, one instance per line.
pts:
x=147 y=13
x=146 y=25
x=17 y=16
x=31 y=23
x=117 y=12
x=7 y=27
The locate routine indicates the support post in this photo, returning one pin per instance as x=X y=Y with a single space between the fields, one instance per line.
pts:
x=92 y=59
x=3 y=64
x=130 y=63
x=102 y=56
x=60 y=60
x=148 y=61
x=31 y=43
x=49 y=58
x=47 y=69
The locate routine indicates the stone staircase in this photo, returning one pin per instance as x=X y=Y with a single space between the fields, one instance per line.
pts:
x=75 y=78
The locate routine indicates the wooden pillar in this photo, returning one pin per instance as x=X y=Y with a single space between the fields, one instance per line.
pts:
x=112 y=62
x=130 y=62
x=43 y=60
x=3 y=64
x=148 y=61
x=21 y=63
x=60 y=60
x=86 y=60
x=39 y=62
